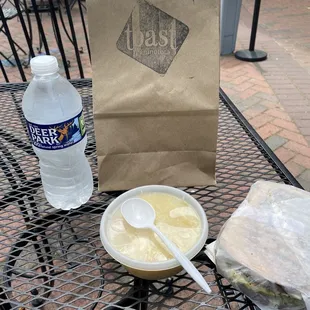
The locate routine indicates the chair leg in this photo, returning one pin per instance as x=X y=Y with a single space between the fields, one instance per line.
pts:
x=4 y=75
x=15 y=43
x=73 y=2
x=8 y=59
x=20 y=48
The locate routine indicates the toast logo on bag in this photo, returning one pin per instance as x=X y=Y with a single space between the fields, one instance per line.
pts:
x=152 y=37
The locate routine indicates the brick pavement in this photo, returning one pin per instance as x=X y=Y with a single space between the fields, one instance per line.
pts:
x=273 y=95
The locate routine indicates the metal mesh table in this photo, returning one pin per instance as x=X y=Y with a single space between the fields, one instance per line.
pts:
x=54 y=259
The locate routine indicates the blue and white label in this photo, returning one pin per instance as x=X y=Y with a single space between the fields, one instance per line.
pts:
x=57 y=136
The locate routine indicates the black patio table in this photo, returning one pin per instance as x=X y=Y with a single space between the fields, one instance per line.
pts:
x=51 y=259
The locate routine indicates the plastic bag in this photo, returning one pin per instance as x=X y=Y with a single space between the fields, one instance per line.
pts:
x=264 y=248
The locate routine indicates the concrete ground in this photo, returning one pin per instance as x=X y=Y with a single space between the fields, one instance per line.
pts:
x=273 y=95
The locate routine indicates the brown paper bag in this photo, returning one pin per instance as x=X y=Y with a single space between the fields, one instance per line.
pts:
x=155 y=83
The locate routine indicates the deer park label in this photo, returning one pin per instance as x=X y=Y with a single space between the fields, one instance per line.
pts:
x=57 y=136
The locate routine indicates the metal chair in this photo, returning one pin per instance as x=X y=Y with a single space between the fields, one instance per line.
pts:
x=10 y=13
x=73 y=2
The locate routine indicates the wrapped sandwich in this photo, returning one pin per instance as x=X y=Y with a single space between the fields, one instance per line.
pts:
x=264 y=248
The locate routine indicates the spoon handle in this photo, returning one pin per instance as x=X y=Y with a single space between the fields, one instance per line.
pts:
x=183 y=260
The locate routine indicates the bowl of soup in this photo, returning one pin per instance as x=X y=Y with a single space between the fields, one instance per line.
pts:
x=179 y=217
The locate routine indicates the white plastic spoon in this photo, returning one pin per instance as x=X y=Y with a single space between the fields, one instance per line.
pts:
x=140 y=214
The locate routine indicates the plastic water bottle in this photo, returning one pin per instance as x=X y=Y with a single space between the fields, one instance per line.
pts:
x=54 y=113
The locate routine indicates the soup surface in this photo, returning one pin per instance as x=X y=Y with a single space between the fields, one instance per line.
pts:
x=174 y=217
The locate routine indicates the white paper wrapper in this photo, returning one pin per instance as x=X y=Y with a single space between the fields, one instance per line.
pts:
x=264 y=248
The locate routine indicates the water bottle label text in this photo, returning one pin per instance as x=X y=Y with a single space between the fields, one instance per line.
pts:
x=57 y=136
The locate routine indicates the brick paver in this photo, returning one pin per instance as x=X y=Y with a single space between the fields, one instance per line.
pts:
x=273 y=95
x=281 y=84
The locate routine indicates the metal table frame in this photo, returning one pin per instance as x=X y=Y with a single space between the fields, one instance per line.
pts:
x=45 y=229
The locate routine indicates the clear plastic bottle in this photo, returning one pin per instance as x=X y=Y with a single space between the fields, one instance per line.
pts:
x=53 y=110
